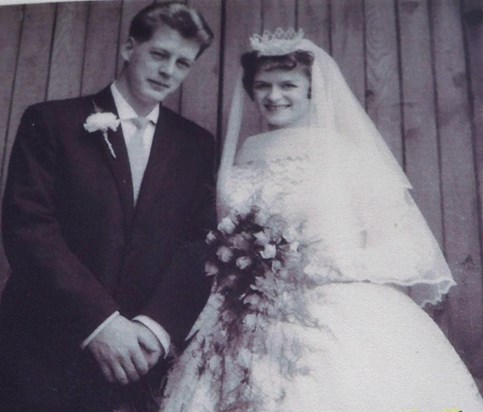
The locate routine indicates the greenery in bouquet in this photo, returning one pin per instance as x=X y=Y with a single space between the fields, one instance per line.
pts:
x=248 y=251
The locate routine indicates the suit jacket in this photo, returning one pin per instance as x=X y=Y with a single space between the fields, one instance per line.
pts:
x=78 y=247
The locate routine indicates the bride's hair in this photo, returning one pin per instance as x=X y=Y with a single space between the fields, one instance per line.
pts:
x=252 y=63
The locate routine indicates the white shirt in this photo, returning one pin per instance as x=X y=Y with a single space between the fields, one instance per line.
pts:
x=126 y=114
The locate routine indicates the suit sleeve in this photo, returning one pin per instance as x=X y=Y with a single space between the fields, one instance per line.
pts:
x=32 y=234
x=182 y=293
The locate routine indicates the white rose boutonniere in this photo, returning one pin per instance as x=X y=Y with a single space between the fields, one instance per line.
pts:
x=102 y=122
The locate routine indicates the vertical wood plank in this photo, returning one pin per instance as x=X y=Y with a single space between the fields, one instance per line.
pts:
x=68 y=50
x=200 y=89
x=173 y=101
x=101 y=48
x=129 y=9
x=237 y=32
x=278 y=13
x=347 y=25
x=314 y=20
x=462 y=243
x=383 y=92
x=34 y=56
x=473 y=21
x=420 y=133
x=10 y=29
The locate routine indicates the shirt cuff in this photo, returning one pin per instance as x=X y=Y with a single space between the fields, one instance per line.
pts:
x=158 y=331
x=98 y=329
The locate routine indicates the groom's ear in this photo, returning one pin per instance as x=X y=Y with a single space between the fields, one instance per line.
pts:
x=127 y=48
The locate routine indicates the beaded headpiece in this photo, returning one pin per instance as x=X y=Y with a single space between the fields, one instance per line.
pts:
x=278 y=43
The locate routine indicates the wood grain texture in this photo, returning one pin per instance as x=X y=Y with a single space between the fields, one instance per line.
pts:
x=420 y=132
x=423 y=80
x=68 y=51
x=473 y=23
x=278 y=13
x=382 y=77
x=313 y=18
x=347 y=24
x=32 y=68
x=199 y=99
x=242 y=20
x=458 y=180
x=101 y=49
x=128 y=10
x=10 y=29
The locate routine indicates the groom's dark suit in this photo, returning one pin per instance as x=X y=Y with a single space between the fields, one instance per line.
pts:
x=79 y=249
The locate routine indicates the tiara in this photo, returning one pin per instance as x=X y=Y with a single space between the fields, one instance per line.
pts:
x=277 y=43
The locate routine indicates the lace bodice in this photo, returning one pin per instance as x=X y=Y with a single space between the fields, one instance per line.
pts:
x=270 y=185
x=353 y=227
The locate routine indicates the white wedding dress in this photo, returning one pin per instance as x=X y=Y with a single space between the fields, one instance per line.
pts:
x=340 y=336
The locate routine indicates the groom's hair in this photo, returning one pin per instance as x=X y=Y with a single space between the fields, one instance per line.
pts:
x=252 y=63
x=188 y=22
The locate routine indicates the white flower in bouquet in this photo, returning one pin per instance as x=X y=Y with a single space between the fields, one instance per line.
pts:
x=290 y=234
x=250 y=321
x=277 y=226
x=241 y=241
x=294 y=246
x=211 y=269
x=269 y=251
x=261 y=238
x=243 y=262
x=261 y=217
x=224 y=253
x=252 y=299
x=227 y=226
x=244 y=357
x=210 y=237
x=276 y=265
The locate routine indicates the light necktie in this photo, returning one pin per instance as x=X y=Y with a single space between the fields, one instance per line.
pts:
x=138 y=154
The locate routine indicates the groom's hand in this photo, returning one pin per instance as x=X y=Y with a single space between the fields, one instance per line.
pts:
x=118 y=351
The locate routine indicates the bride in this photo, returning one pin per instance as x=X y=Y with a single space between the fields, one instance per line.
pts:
x=318 y=233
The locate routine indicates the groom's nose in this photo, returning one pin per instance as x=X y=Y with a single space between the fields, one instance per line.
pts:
x=167 y=68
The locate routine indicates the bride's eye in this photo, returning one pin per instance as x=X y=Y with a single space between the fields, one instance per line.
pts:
x=261 y=86
x=289 y=86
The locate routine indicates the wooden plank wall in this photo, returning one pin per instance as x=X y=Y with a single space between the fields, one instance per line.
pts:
x=416 y=65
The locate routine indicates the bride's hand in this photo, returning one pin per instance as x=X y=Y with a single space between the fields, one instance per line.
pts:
x=150 y=345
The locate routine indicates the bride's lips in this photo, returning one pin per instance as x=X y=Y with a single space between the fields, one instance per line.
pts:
x=276 y=107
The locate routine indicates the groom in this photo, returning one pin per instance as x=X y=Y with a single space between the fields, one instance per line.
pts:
x=106 y=199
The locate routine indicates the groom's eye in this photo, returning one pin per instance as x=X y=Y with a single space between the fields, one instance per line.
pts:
x=184 y=64
x=158 y=55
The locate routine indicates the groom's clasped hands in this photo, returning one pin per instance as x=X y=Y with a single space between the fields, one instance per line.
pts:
x=125 y=350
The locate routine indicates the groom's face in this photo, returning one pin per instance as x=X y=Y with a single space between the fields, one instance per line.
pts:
x=156 y=68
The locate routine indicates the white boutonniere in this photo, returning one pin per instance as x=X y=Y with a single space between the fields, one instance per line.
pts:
x=102 y=121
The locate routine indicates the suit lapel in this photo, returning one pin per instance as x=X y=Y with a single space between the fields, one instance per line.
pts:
x=167 y=144
x=119 y=165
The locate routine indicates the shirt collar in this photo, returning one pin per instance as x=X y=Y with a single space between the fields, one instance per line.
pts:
x=125 y=110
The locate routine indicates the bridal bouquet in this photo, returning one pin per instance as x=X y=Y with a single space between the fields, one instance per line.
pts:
x=249 y=252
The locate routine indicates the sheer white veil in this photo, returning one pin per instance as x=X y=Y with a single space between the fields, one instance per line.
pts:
x=367 y=176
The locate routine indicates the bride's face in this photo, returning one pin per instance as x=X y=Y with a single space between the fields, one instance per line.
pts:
x=282 y=97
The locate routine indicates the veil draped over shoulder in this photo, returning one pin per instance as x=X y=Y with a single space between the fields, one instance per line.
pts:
x=371 y=227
